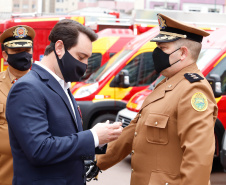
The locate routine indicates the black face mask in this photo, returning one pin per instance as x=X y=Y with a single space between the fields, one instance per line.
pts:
x=20 y=61
x=71 y=68
x=161 y=59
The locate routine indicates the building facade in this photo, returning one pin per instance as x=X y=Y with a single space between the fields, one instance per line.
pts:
x=203 y=6
x=6 y=6
x=25 y=6
x=65 y=6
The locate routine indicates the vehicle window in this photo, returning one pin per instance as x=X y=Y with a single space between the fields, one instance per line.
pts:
x=205 y=56
x=133 y=69
x=220 y=69
x=147 y=70
x=111 y=54
x=156 y=82
x=94 y=63
x=109 y=66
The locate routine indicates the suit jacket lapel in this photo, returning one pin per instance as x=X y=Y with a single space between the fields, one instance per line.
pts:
x=55 y=86
x=78 y=116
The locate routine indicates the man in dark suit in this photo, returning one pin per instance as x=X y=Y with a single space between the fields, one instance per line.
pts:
x=48 y=143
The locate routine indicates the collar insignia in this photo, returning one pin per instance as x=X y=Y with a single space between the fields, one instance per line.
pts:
x=20 y=32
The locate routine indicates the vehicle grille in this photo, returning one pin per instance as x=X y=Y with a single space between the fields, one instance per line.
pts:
x=125 y=121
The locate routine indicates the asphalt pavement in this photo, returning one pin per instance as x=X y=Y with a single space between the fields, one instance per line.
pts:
x=120 y=175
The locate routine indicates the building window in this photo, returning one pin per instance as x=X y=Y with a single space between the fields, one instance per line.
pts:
x=25 y=6
x=59 y=1
x=194 y=9
x=33 y=6
x=214 y=10
x=59 y=9
x=16 y=5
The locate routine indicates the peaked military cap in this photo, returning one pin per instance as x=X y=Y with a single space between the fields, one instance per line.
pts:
x=20 y=36
x=172 y=30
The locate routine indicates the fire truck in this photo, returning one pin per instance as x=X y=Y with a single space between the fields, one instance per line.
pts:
x=212 y=62
x=110 y=40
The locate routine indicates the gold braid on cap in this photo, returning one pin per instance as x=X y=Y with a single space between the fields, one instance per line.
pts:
x=173 y=34
x=16 y=43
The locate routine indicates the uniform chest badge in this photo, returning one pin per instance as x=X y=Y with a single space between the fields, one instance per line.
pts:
x=199 y=101
x=20 y=32
x=162 y=22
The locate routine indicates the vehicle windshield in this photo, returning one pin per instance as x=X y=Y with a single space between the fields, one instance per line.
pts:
x=205 y=56
x=94 y=63
x=103 y=71
x=159 y=79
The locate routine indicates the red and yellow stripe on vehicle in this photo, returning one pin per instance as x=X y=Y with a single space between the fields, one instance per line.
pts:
x=108 y=93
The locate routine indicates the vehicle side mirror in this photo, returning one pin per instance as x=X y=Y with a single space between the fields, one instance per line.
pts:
x=124 y=79
x=215 y=82
x=121 y=79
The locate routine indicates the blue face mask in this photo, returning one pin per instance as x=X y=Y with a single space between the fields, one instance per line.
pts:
x=161 y=59
x=71 y=68
x=20 y=61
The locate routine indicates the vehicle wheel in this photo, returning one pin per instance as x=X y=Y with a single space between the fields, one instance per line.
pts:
x=218 y=132
x=103 y=118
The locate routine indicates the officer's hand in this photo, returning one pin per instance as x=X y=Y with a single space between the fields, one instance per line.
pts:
x=108 y=132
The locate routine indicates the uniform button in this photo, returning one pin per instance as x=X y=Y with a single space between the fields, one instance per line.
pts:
x=132 y=151
x=140 y=115
x=156 y=123
x=135 y=134
x=132 y=170
x=169 y=86
x=167 y=183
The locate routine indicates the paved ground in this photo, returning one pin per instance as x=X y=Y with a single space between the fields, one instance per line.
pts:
x=120 y=175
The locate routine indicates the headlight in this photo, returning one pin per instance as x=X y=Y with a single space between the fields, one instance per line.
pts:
x=86 y=90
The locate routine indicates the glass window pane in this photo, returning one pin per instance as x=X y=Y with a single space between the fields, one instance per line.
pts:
x=147 y=70
x=133 y=69
x=220 y=69
x=94 y=63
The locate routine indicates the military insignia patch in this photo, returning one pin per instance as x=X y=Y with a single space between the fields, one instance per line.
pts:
x=199 y=101
x=20 y=32
x=193 y=77
x=162 y=22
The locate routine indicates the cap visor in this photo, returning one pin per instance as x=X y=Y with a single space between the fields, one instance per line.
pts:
x=19 y=44
x=164 y=38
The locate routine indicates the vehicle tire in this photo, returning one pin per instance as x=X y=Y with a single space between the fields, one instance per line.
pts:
x=103 y=118
x=219 y=132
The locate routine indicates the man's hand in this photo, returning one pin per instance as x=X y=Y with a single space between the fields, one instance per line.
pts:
x=108 y=132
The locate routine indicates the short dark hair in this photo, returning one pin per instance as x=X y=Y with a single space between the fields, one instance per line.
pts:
x=4 y=48
x=68 y=30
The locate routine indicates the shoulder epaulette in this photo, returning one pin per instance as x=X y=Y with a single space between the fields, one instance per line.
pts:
x=193 y=77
